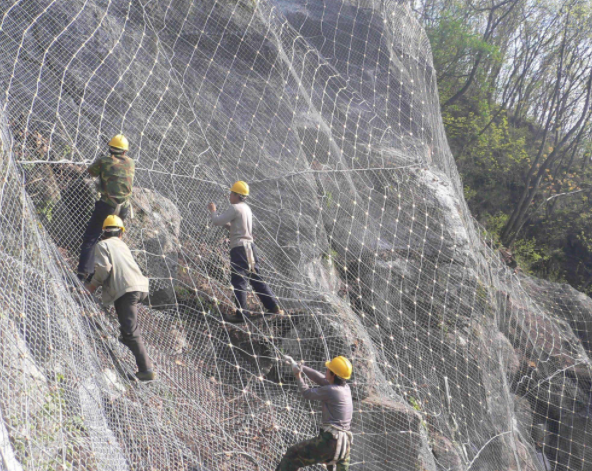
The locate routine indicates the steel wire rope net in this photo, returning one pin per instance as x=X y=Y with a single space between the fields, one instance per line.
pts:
x=329 y=109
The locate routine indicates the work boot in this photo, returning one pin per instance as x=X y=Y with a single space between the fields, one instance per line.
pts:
x=82 y=276
x=146 y=375
x=238 y=318
x=277 y=311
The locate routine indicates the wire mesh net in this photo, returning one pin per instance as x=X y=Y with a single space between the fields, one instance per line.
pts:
x=330 y=111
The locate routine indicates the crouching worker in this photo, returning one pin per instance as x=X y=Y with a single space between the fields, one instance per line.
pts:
x=332 y=446
x=244 y=263
x=125 y=287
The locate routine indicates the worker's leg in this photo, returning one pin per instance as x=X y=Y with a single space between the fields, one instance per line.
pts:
x=239 y=268
x=342 y=465
x=124 y=211
x=319 y=449
x=261 y=289
x=94 y=229
x=127 y=312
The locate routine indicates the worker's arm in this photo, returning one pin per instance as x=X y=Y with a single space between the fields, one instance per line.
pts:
x=315 y=376
x=312 y=394
x=95 y=168
x=222 y=219
x=102 y=268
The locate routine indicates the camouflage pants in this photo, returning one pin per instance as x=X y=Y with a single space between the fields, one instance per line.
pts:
x=320 y=449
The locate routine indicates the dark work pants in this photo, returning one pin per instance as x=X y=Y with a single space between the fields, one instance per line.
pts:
x=94 y=229
x=240 y=276
x=126 y=307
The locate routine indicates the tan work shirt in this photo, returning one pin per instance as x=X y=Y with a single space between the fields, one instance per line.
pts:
x=116 y=270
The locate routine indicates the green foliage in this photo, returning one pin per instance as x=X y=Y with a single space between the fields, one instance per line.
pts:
x=469 y=192
x=495 y=223
x=328 y=199
x=495 y=142
x=414 y=403
x=585 y=239
x=330 y=255
x=184 y=294
x=454 y=41
x=490 y=160
x=529 y=255
x=45 y=209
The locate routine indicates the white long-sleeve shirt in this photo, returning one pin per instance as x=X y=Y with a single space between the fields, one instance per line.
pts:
x=337 y=400
x=240 y=218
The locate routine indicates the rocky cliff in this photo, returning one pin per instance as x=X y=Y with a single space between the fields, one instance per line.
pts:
x=330 y=111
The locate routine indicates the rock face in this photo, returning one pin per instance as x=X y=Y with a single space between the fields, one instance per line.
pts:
x=154 y=234
x=399 y=447
x=330 y=111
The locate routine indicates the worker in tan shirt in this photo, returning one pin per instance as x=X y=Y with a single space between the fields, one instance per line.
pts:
x=244 y=263
x=125 y=287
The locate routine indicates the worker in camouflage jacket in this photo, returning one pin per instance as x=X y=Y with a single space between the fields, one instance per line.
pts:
x=116 y=177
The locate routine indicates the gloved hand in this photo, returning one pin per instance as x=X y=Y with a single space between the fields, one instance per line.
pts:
x=290 y=361
x=296 y=368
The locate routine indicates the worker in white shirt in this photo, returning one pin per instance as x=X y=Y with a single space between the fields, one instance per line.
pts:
x=244 y=263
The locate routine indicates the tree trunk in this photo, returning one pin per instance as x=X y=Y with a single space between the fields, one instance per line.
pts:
x=517 y=220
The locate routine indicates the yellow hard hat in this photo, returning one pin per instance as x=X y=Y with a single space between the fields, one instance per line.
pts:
x=240 y=188
x=113 y=221
x=119 y=142
x=341 y=366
